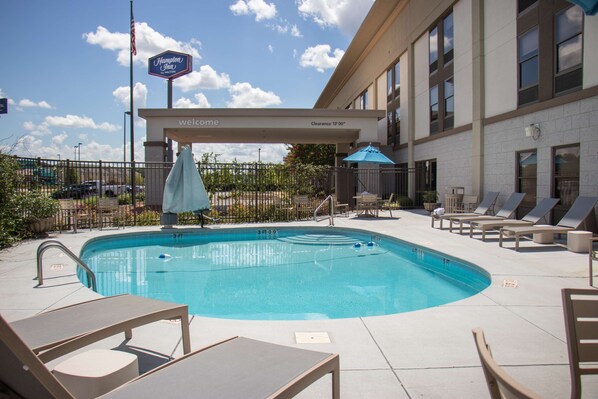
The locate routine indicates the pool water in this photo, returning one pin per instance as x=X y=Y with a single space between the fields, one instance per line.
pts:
x=282 y=273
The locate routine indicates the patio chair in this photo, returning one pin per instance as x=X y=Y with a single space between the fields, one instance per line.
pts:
x=485 y=207
x=108 y=209
x=469 y=203
x=573 y=219
x=303 y=207
x=235 y=368
x=341 y=208
x=580 y=307
x=60 y=331
x=367 y=204
x=70 y=209
x=538 y=213
x=388 y=204
x=507 y=210
x=500 y=384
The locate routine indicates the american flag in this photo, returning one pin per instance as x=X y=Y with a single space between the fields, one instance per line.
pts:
x=133 y=46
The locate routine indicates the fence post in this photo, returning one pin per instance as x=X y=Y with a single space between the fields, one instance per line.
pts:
x=133 y=189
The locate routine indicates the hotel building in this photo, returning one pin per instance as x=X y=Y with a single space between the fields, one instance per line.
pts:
x=494 y=95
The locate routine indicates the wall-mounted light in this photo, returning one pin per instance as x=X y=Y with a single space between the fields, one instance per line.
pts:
x=533 y=131
x=351 y=146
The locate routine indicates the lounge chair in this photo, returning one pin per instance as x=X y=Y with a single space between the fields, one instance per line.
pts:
x=538 y=213
x=388 y=204
x=485 y=207
x=573 y=219
x=235 y=368
x=505 y=212
x=500 y=384
x=580 y=307
x=58 y=332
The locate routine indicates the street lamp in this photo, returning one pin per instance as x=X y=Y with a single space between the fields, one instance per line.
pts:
x=75 y=152
x=125 y=135
x=259 y=151
x=80 y=151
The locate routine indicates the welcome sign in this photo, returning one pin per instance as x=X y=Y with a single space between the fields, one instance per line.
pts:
x=170 y=64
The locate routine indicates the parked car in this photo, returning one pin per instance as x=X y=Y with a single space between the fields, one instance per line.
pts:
x=108 y=190
x=74 y=191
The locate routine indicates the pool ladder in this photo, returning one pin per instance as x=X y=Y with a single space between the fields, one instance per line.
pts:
x=91 y=278
x=330 y=198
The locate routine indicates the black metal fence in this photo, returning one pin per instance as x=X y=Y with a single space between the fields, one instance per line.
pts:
x=239 y=193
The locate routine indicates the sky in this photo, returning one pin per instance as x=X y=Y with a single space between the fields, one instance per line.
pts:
x=64 y=67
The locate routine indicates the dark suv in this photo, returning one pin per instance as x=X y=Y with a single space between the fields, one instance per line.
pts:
x=74 y=191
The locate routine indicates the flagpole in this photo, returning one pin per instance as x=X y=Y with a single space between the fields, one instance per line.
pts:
x=132 y=109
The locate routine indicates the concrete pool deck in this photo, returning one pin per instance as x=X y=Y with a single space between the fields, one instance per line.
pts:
x=423 y=354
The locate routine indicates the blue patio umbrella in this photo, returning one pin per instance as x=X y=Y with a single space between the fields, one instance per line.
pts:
x=369 y=154
x=590 y=7
x=184 y=190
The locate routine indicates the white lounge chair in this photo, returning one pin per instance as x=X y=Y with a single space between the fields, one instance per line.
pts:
x=505 y=212
x=235 y=368
x=485 y=207
x=538 y=213
x=573 y=219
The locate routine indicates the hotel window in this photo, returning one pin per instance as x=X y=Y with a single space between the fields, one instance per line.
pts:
x=449 y=103
x=442 y=101
x=565 y=185
x=434 y=109
x=550 y=49
x=527 y=177
x=528 y=66
x=393 y=83
x=362 y=100
x=568 y=37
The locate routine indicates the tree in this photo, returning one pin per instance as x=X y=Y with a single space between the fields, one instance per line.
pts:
x=310 y=154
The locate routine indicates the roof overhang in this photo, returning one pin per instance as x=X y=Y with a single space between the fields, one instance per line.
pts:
x=262 y=125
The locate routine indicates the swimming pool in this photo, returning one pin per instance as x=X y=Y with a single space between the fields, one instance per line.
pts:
x=280 y=273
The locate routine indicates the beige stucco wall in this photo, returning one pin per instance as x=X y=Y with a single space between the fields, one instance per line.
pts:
x=500 y=43
x=405 y=121
x=462 y=67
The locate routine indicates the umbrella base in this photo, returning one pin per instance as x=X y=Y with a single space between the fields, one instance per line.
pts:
x=167 y=220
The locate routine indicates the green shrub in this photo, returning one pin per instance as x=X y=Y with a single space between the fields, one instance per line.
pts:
x=148 y=218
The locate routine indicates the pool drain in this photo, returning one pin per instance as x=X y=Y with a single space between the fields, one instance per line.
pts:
x=312 y=338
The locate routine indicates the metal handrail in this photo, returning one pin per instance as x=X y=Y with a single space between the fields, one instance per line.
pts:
x=331 y=216
x=91 y=278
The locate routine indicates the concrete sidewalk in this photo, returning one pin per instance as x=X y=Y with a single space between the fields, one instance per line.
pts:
x=423 y=354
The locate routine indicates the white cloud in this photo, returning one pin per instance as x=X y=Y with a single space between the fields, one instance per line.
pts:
x=319 y=57
x=78 y=122
x=122 y=94
x=205 y=78
x=30 y=146
x=270 y=48
x=201 y=101
x=28 y=103
x=295 y=32
x=245 y=96
x=59 y=138
x=259 y=8
x=67 y=122
x=148 y=42
x=273 y=153
x=346 y=15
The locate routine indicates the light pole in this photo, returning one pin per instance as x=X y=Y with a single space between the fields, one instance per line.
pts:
x=75 y=152
x=125 y=135
x=80 y=151
x=259 y=152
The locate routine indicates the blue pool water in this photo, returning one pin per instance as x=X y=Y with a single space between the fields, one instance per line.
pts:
x=280 y=273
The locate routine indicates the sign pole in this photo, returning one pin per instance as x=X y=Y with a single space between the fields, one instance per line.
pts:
x=132 y=109
x=169 y=156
